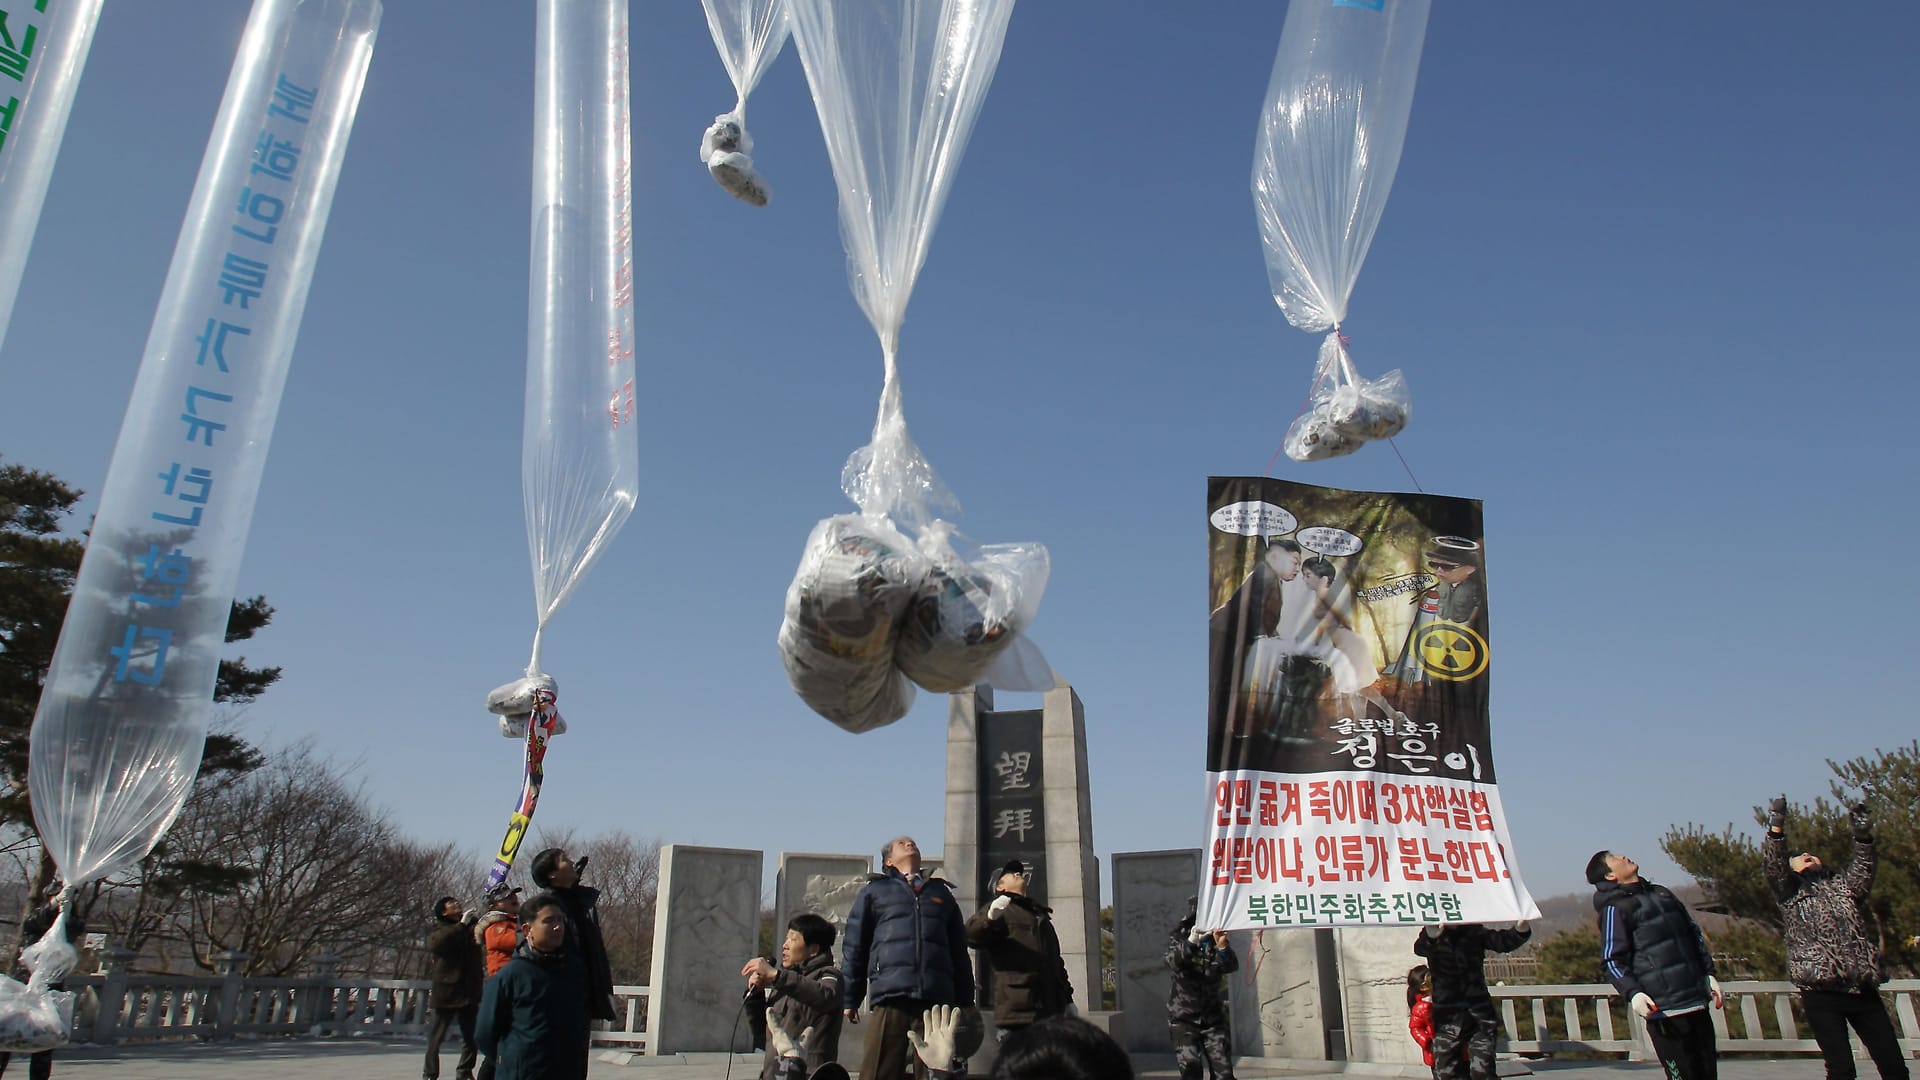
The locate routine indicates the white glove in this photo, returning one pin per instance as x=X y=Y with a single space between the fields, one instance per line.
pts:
x=1521 y=925
x=1197 y=935
x=469 y=917
x=998 y=909
x=1713 y=987
x=1433 y=931
x=1642 y=1005
x=936 y=1047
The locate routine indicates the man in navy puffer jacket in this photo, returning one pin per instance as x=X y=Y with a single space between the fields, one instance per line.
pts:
x=906 y=951
x=1657 y=958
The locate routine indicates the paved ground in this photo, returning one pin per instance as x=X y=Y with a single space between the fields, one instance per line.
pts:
x=400 y=1059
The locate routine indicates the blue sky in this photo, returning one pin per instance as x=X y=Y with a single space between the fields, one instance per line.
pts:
x=1643 y=266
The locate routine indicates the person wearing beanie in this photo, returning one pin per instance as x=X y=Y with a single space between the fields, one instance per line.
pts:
x=1016 y=935
x=1832 y=957
x=553 y=871
x=1656 y=957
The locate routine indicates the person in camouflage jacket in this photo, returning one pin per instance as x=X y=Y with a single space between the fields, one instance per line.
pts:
x=1831 y=954
x=1196 y=1009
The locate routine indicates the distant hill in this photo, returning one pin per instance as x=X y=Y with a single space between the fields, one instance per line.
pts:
x=1574 y=911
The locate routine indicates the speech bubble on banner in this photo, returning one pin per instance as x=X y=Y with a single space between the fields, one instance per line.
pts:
x=1326 y=540
x=1253 y=519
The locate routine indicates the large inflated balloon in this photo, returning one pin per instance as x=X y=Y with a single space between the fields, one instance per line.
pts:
x=121 y=723
x=51 y=40
x=1328 y=146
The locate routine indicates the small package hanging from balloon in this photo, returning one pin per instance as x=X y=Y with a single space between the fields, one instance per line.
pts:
x=1328 y=146
x=871 y=612
x=34 y=1016
x=749 y=34
x=1346 y=411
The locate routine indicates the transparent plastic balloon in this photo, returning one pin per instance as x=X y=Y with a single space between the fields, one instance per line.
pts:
x=580 y=447
x=1329 y=143
x=897 y=84
x=123 y=716
x=36 y=97
x=748 y=34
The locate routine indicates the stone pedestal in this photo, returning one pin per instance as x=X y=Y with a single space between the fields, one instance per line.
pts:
x=1373 y=978
x=1150 y=892
x=706 y=923
x=1282 y=1012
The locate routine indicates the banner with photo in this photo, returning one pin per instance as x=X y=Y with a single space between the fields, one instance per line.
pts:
x=1350 y=769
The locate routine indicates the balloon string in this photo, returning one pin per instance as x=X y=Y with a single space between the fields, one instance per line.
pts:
x=1404 y=465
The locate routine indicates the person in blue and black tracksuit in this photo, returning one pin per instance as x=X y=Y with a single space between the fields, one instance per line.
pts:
x=905 y=951
x=1657 y=959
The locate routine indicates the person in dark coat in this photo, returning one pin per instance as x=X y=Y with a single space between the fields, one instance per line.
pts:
x=1016 y=935
x=1832 y=957
x=1463 y=1017
x=534 y=1016
x=905 y=951
x=802 y=998
x=554 y=871
x=457 y=970
x=1196 y=1009
x=32 y=929
x=1656 y=957
x=1251 y=611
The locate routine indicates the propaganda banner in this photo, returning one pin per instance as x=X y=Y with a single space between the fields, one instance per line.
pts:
x=1350 y=765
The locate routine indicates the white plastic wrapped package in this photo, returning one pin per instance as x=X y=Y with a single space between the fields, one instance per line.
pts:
x=748 y=34
x=580 y=445
x=837 y=640
x=33 y=1020
x=123 y=716
x=1346 y=410
x=897 y=85
x=34 y=1017
x=514 y=703
x=1328 y=146
x=51 y=40
x=968 y=612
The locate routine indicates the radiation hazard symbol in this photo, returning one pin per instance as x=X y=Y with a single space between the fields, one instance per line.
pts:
x=1451 y=651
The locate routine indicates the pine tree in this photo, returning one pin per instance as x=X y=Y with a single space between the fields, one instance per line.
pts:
x=1727 y=863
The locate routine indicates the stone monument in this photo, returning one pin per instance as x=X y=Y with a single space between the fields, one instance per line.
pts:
x=1017 y=789
x=706 y=923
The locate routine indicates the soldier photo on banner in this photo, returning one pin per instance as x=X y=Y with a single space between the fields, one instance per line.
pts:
x=1350 y=766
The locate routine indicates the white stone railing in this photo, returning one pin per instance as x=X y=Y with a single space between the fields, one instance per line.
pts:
x=120 y=1006
x=1761 y=1017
